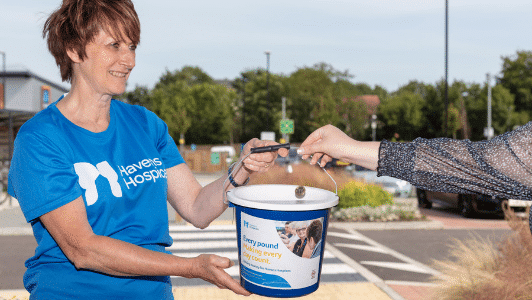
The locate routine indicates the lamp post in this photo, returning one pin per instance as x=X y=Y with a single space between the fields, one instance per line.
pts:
x=268 y=89
x=374 y=127
x=488 y=132
x=446 y=65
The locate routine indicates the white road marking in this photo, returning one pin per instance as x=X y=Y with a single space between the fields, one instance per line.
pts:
x=362 y=247
x=397 y=266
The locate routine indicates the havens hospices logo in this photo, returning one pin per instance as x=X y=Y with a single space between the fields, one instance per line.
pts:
x=133 y=175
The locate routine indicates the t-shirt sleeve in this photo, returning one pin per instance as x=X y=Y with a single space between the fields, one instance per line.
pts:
x=165 y=144
x=40 y=177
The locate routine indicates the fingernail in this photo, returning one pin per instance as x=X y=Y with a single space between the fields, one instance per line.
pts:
x=299 y=151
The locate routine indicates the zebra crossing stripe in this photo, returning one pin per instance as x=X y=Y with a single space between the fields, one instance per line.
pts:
x=397 y=266
x=362 y=247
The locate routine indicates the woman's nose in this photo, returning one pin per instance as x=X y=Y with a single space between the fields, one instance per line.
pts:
x=128 y=59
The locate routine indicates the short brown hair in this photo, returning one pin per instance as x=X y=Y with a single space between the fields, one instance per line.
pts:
x=314 y=230
x=76 y=22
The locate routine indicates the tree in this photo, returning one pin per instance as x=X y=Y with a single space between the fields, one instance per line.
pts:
x=309 y=90
x=252 y=108
x=188 y=74
x=517 y=78
x=403 y=113
x=353 y=115
x=173 y=102
x=139 y=96
x=212 y=118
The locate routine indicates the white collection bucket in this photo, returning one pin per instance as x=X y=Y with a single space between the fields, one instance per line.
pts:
x=273 y=263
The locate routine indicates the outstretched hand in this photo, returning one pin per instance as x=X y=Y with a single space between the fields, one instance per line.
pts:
x=327 y=142
x=210 y=268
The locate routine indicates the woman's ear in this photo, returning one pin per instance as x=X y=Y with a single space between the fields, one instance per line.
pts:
x=74 y=56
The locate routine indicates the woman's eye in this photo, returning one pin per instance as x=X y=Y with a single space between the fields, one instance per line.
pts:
x=115 y=45
x=133 y=47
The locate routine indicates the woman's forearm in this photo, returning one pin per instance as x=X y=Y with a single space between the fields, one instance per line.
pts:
x=119 y=258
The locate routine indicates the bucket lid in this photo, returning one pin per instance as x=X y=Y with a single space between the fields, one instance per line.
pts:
x=281 y=197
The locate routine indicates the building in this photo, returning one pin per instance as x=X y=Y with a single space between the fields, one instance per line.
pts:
x=23 y=95
x=372 y=102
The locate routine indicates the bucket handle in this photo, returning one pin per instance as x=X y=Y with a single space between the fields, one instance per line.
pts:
x=259 y=150
x=335 y=185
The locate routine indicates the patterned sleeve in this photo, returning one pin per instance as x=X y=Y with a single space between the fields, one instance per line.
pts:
x=500 y=167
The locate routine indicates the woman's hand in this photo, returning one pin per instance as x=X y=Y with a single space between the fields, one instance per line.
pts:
x=327 y=142
x=210 y=268
x=258 y=162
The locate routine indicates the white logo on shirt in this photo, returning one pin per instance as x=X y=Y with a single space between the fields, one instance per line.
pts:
x=88 y=173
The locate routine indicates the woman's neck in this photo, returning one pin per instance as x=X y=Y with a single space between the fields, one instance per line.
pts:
x=91 y=113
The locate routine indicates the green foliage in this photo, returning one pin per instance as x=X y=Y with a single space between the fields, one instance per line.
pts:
x=403 y=113
x=257 y=90
x=353 y=116
x=212 y=117
x=173 y=103
x=188 y=74
x=517 y=78
x=139 y=96
x=321 y=95
x=192 y=104
x=355 y=193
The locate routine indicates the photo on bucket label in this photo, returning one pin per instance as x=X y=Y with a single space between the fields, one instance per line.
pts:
x=302 y=238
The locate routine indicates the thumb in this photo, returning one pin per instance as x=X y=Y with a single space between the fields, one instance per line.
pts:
x=223 y=262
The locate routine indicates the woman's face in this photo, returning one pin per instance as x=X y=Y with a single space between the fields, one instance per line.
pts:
x=302 y=232
x=311 y=243
x=107 y=66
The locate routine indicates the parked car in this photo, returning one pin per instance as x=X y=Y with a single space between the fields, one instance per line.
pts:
x=470 y=205
x=394 y=186
x=291 y=159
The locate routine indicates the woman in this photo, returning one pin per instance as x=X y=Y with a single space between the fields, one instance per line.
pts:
x=92 y=175
x=314 y=232
x=299 y=246
x=499 y=167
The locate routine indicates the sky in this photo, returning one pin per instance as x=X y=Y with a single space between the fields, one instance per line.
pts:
x=381 y=42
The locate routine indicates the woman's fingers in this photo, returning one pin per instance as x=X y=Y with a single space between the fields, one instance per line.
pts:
x=217 y=275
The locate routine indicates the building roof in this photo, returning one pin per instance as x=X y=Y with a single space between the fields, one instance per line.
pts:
x=28 y=74
x=372 y=102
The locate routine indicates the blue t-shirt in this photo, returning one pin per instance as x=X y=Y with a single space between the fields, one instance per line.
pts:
x=121 y=175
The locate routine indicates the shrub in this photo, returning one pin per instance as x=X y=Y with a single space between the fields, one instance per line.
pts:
x=355 y=194
x=478 y=269
x=384 y=213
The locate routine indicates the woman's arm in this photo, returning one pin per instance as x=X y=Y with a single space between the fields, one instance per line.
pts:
x=500 y=167
x=201 y=205
x=69 y=227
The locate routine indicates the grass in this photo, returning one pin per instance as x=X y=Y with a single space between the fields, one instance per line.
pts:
x=479 y=269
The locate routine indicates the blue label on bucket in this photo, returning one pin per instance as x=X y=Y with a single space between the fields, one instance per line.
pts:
x=280 y=254
x=264 y=279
